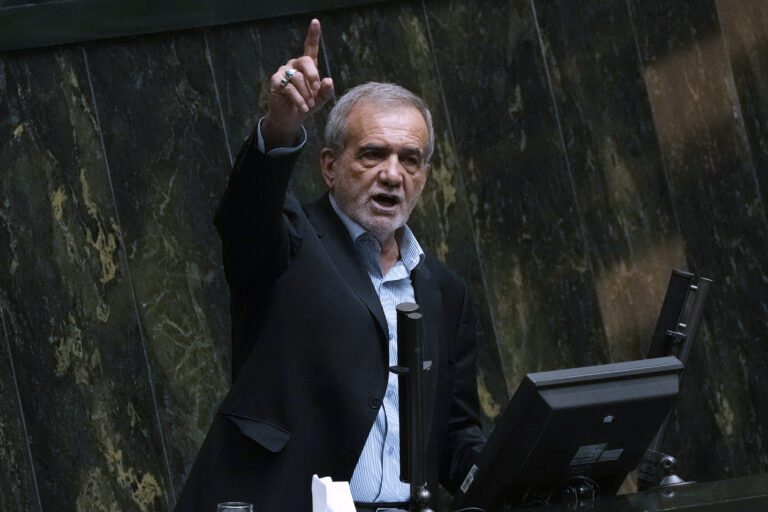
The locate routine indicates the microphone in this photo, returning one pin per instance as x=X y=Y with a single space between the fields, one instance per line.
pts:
x=410 y=378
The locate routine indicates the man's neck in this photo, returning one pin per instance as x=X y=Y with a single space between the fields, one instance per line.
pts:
x=390 y=253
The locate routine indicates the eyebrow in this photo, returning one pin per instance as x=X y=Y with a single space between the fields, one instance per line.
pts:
x=378 y=147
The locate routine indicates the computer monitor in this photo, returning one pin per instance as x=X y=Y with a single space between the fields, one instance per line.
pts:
x=575 y=430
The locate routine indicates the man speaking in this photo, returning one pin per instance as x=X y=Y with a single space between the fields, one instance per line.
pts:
x=313 y=294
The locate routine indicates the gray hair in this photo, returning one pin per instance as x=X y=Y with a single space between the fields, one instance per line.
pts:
x=382 y=95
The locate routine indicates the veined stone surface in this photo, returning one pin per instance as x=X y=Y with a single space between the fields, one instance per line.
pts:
x=582 y=152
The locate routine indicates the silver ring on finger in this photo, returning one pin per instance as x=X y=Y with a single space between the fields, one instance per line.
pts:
x=283 y=83
x=289 y=73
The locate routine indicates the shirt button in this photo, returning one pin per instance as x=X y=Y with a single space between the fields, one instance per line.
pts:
x=350 y=459
x=374 y=403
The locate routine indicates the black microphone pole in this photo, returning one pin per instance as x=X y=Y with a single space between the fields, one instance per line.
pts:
x=410 y=371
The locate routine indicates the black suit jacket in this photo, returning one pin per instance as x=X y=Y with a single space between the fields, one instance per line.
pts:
x=310 y=354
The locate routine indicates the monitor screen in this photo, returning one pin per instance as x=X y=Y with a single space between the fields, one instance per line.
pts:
x=566 y=427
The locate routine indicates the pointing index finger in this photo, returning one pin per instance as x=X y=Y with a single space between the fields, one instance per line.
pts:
x=312 y=42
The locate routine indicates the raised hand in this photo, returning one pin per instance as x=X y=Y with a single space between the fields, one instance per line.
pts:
x=295 y=93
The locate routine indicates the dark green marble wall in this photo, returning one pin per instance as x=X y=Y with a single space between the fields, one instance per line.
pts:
x=584 y=149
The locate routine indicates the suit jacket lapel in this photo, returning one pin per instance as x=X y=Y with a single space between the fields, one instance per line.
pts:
x=337 y=242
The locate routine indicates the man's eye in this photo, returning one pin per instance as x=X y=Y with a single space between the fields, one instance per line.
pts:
x=412 y=162
x=371 y=155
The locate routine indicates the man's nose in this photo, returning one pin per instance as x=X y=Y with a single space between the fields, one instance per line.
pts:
x=392 y=172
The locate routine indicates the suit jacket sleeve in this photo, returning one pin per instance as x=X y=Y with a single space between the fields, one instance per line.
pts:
x=253 y=221
x=465 y=439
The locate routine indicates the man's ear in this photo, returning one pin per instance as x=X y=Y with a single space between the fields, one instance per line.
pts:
x=328 y=160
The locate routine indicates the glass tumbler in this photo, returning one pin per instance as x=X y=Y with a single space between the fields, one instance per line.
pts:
x=234 y=506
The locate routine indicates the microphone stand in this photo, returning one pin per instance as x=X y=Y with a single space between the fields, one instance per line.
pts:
x=410 y=372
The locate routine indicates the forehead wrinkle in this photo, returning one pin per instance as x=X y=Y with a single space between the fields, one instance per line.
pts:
x=396 y=130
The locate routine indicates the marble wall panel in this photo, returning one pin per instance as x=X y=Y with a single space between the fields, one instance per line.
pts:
x=745 y=28
x=530 y=235
x=68 y=309
x=711 y=176
x=581 y=153
x=618 y=176
x=168 y=157
x=18 y=486
x=391 y=43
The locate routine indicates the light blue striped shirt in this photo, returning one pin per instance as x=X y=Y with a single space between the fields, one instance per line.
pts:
x=377 y=475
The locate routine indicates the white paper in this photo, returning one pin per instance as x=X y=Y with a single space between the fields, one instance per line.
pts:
x=330 y=496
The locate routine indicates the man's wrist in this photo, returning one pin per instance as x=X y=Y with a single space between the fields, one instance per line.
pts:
x=276 y=136
x=269 y=149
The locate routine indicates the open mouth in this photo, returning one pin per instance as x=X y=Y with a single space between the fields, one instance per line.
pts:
x=386 y=200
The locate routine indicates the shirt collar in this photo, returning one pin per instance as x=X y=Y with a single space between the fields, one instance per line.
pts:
x=411 y=252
